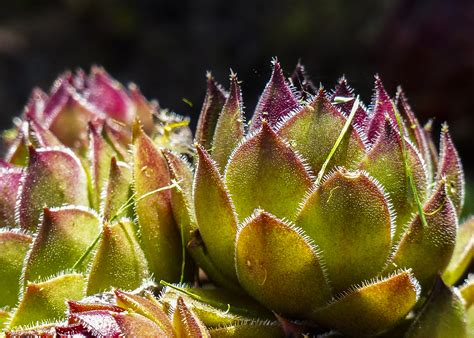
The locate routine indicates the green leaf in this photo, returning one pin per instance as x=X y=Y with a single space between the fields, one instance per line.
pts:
x=463 y=253
x=63 y=236
x=46 y=301
x=386 y=163
x=100 y=155
x=427 y=250
x=349 y=213
x=54 y=177
x=249 y=329
x=279 y=266
x=230 y=126
x=118 y=191
x=264 y=172
x=372 y=307
x=159 y=234
x=215 y=213
x=13 y=248
x=467 y=292
x=314 y=129
x=119 y=261
x=441 y=316
x=211 y=108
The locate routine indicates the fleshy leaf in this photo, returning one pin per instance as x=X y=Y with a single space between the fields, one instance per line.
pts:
x=54 y=177
x=76 y=307
x=37 y=331
x=371 y=308
x=230 y=125
x=180 y=170
x=450 y=167
x=109 y=96
x=347 y=214
x=4 y=318
x=119 y=261
x=13 y=249
x=249 y=329
x=414 y=129
x=441 y=316
x=433 y=151
x=100 y=155
x=342 y=89
x=313 y=130
x=9 y=184
x=134 y=325
x=118 y=190
x=211 y=109
x=145 y=110
x=463 y=253
x=17 y=150
x=159 y=233
x=62 y=238
x=276 y=102
x=427 y=250
x=279 y=266
x=215 y=213
x=265 y=172
x=44 y=301
x=382 y=107
x=386 y=163
x=97 y=323
x=467 y=292
x=146 y=308
x=186 y=323
x=41 y=137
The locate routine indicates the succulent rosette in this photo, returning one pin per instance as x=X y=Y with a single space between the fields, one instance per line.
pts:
x=321 y=209
x=81 y=213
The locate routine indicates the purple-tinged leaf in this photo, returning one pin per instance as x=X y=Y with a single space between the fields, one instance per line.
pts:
x=382 y=106
x=35 y=107
x=40 y=137
x=54 y=177
x=450 y=167
x=144 y=110
x=211 y=109
x=301 y=81
x=372 y=307
x=349 y=212
x=264 y=172
x=63 y=236
x=98 y=323
x=17 y=150
x=215 y=214
x=276 y=102
x=9 y=184
x=134 y=325
x=230 y=126
x=433 y=151
x=279 y=266
x=427 y=250
x=76 y=307
x=342 y=90
x=313 y=131
x=108 y=96
x=159 y=233
x=386 y=162
x=13 y=249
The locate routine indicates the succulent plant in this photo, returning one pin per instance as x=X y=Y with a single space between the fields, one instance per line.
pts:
x=320 y=216
x=324 y=210
x=80 y=213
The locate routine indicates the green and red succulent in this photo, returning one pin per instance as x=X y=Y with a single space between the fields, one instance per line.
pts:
x=335 y=218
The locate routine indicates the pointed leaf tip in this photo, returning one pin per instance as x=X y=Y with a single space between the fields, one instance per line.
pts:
x=276 y=101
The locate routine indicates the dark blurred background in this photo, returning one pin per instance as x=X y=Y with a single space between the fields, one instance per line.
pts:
x=427 y=46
